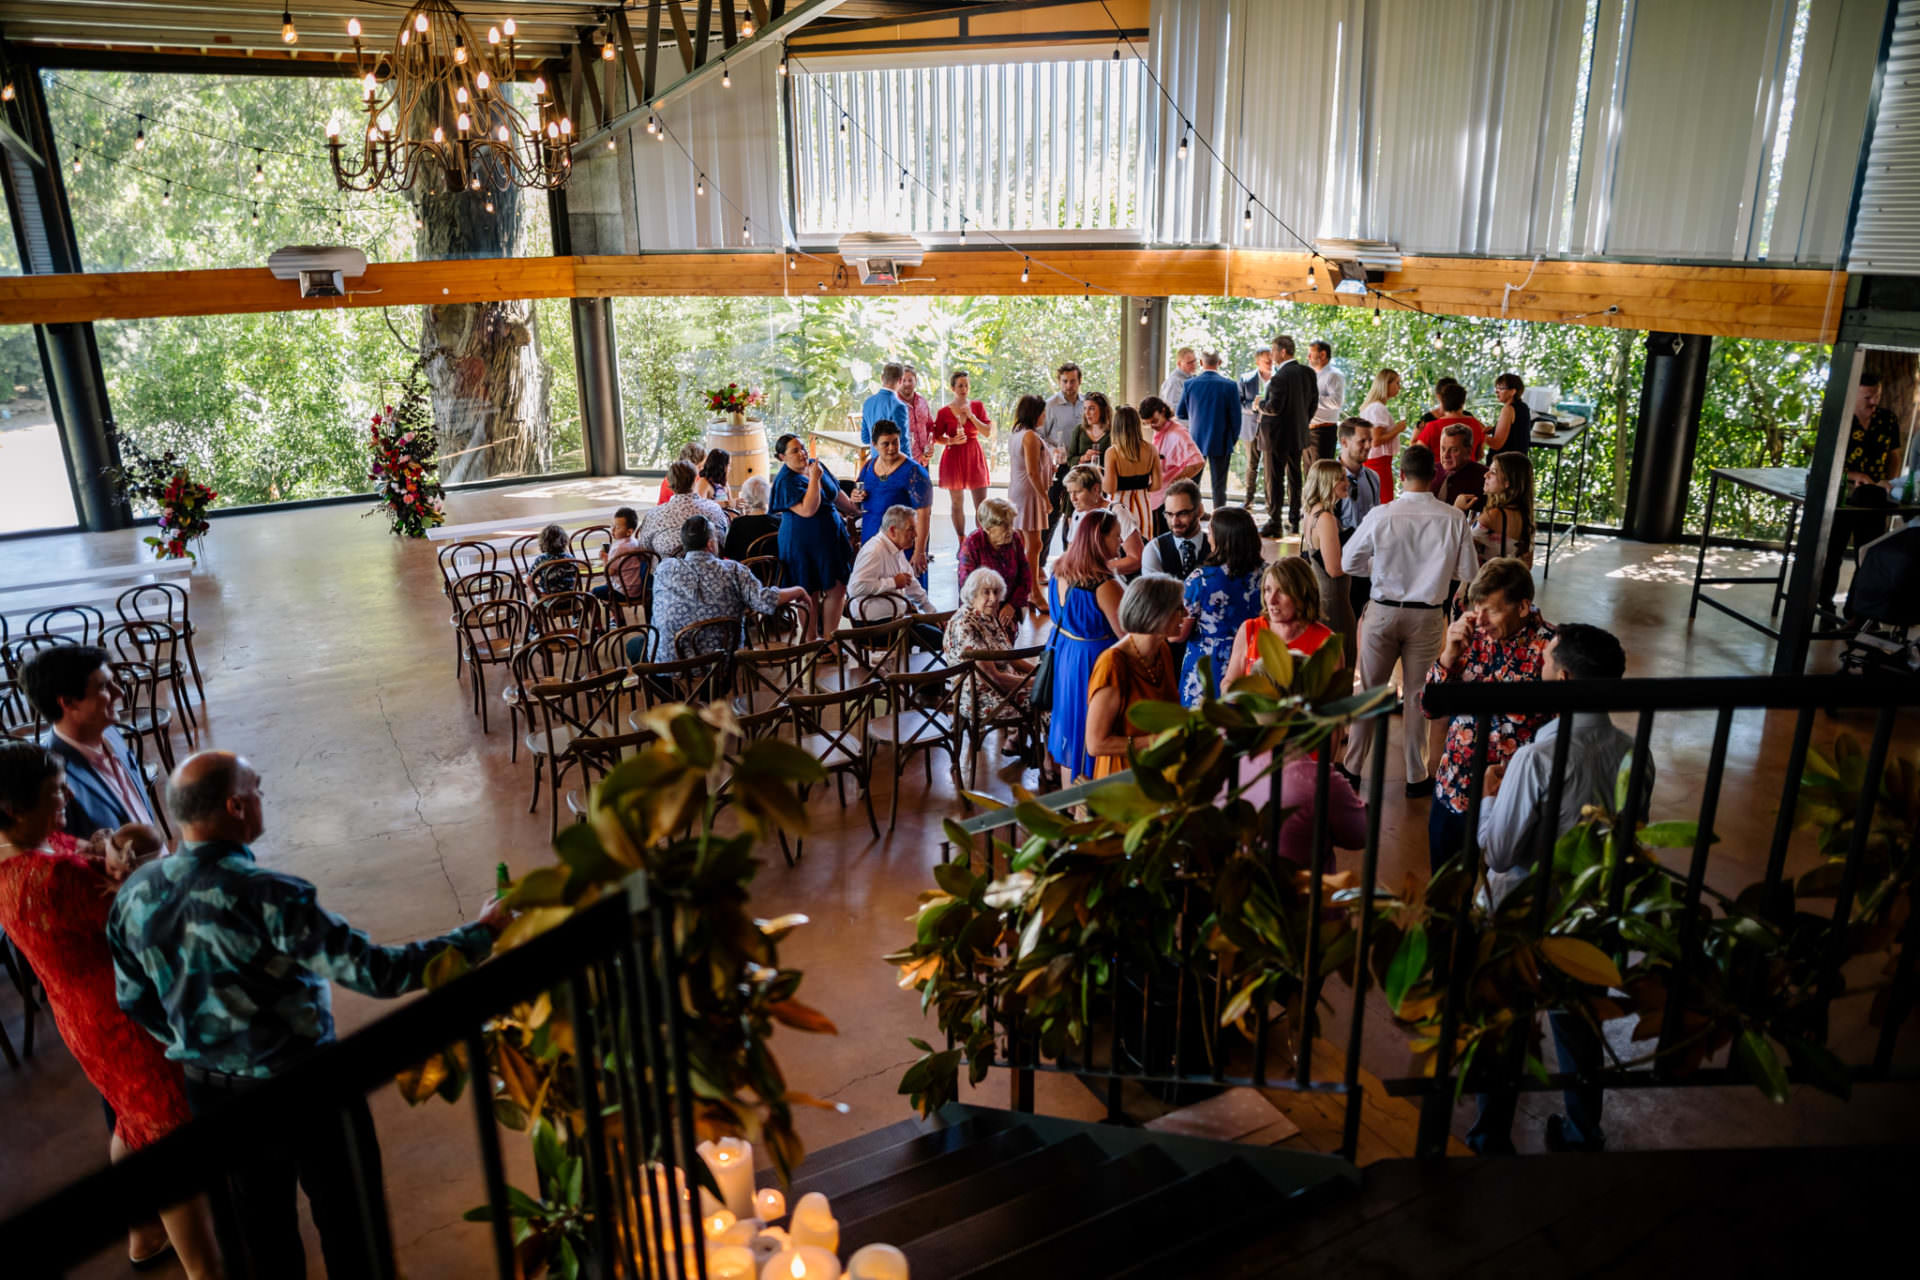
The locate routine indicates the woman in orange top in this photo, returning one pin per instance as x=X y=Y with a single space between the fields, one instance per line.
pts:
x=1139 y=668
x=1292 y=596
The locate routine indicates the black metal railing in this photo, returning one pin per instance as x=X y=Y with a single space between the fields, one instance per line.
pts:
x=1164 y=1038
x=610 y=971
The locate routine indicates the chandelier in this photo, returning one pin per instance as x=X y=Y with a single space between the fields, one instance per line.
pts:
x=437 y=105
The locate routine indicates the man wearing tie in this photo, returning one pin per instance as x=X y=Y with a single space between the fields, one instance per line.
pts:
x=1184 y=546
x=1284 y=415
x=1210 y=406
x=72 y=686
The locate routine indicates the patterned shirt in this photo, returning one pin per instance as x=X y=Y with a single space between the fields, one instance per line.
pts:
x=1874 y=449
x=919 y=428
x=227 y=964
x=659 y=530
x=1486 y=659
x=701 y=585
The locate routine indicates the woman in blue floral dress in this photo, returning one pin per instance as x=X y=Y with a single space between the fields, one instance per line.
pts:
x=1221 y=595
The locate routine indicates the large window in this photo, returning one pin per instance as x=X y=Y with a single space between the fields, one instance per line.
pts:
x=1014 y=146
x=34 y=493
x=818 y=358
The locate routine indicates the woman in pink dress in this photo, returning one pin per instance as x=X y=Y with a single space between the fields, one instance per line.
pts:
x=1029 y=471
x=960 y=425
x=54 y=896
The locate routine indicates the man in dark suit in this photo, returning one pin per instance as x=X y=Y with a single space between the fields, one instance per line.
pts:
x=73 y=688
x=1210 y=406
x=1284 y=416
x=1253 y=389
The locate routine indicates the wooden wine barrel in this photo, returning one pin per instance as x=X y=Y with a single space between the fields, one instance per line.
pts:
x=746 y=447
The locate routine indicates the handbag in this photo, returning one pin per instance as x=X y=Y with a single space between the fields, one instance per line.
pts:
x=1040 y=692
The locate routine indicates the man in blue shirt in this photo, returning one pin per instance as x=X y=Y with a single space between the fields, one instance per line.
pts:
x=228 y=964
x=1210 y=406
x=884 y=404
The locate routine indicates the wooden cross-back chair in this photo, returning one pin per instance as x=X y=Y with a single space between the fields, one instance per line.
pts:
x=556 y=656
x=925 y=719
x=873 y=650
x=765 y=678
x=490 y=631
x=166 y=602
x=834 y=728
x=157 y=645
x=1015 y=706
x=596 y=755
x=653 y=684
x=567 y=711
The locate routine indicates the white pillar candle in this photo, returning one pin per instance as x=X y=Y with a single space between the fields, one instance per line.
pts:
x=731 y=1262
x=802 y=1262
x=741 y=1232
x=877 y=1262
x=813 y=1223
x=769 y=1204
x=731 y=1160
x=717 y=1222
x=770 y=1241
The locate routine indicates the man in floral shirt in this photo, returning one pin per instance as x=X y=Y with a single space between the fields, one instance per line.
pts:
x=919 y=417
x=698 y=585
x=1499 y=637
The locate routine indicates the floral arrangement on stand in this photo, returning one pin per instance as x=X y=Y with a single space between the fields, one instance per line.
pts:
x=163 y=482
x=735 y=400
x=405 y=458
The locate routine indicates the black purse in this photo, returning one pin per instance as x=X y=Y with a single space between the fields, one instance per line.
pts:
x=1040 y=692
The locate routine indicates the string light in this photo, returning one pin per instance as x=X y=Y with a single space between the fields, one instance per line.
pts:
x=1146 y=313
x=843 y=124
x=1181 y=154
x=256 y=213
x=287 y=34
x=259 y=170
x=653 y=126
x=746 y=230
x=6 y=90
x=76 y=164
x=700 y=185
x=793 y=263
x=607 y=50
x=166 y=197
x=746 y=29
x=1247 y=221
x=1026 y=269
x=726 y=76
x=140 y=133
x=963 y=228
x=489 y=206
x=783 y=61
x=459 y=47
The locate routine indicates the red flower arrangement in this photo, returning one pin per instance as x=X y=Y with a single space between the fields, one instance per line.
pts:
x=163 y=482
x=733 y=399
x=404 y=447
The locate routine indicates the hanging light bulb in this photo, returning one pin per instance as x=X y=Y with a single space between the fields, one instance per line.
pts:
x=607 y=50
x=418 y=222
x=746 y=230
x=1181 y=154
x=610 y=146
x=1376 y=317
x=489 y=206
x=6 y=90
x=662 y=135
x=1438 y=342
x=140 y=133
x=783 y=61
x=1116 y=53
x=459 y=48
x=746 y=29
x=653 y=126
x=287 y=34
x=963 y=228
x=903 y=179
x=353 y=27
x=1247 y=220
x=843 y=124
x=700 y=185
x=259 y=170
x=1026 y=270
x=166 y=197
x=475 y=184
x=726 y=76
x=76 y=164
x=483 y=82
x=1146 y=314
x=256 y=213
x=793 y=262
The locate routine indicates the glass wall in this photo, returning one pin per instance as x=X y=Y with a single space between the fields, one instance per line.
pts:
x=275 y=407
x=34 y=493
x=816 y=359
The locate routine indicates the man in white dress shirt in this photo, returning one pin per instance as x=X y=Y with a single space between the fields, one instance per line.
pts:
x=884 y=566
x=1411 y=548
x=1327 y=411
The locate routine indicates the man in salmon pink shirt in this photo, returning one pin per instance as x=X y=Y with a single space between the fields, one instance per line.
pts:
x=1180 y=457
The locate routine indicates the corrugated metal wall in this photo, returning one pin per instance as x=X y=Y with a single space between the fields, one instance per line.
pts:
x=1886 y=238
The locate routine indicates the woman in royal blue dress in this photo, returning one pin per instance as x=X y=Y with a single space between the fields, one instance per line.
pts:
x=814 y=553
x=1222 y=595
x=892 y=479
x=1086 y=621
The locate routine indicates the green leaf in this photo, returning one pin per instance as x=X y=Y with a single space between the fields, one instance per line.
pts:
x=548 y=1153
x=1820 y=1067
x=541 y=887
x=776 y=758
x=1762 y=1066
x=1123 y=802
x=1039 y=819
x=955 y=878
x=958 y=836
x=1408 y=963
x=1158 y=717
x=1030 y=935
x=1622 y=779
x=1320 y=668
x=579 y=847
x=695 y=740
x=1671 y=835
x=1274 y=658
x=566 y=1264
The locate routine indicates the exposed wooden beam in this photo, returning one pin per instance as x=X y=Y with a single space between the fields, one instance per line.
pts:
x=584 y=56
x=702 y=33
x=653 y=46
x=760 y=15
x=630 y=57
x=680 y=34
x=1749 y=302
x=729 y=32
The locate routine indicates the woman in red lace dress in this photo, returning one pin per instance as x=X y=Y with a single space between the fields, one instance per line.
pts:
x=54 y=896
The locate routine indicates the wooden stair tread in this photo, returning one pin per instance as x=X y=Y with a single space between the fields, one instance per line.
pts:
x=843 y=1177
x=848 y=1151
x=967 y=1196
x=977 y=1240
x=1161 y=1220
x=988 y=1153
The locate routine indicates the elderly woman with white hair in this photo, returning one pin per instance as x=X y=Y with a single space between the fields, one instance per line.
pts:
x=1140 y=667
x=753 y=523
x=976 y=625
x=996 y=545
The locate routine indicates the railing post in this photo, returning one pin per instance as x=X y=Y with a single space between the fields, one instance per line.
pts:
x=1436 y=1113
x=581 y=1012
x=1672 y=1022
x=480 y=1085
x=1362 y=976
x=1856 y=854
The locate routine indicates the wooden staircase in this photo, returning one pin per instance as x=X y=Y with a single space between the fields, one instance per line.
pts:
x=985 y=1193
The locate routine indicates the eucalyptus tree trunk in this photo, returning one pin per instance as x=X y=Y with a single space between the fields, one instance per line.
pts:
x=483 y=363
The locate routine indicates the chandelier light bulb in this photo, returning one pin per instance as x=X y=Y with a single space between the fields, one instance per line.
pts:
x=460 y=95
x=464 y=123
x=566 y=124
x=502 y=133
x=406 y=34
x=439 y=134
x=287 y=34
x=459 y=48
x=509 y=27
x=493 y=35
x=420 y=23
x=333 y=130
x=553 y=130
x=539 y=86
x=368 y=85
x=662 y=135
x=483 y=82
x=353 y=27
x=373 y=133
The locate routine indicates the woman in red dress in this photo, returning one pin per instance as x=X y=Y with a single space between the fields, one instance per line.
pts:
x=54 y=896
x=960 y=425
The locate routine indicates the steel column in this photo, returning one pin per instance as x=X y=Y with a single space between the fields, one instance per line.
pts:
x=1143 y=348
x=1816 y=517
x=1671 y=394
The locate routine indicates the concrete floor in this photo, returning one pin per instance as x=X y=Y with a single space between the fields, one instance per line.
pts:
x=328 y=662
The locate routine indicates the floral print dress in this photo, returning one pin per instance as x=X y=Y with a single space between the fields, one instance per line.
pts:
x=1519 y=657
x=1220 y=605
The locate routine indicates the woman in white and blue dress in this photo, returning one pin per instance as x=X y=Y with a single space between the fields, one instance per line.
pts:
x=1220 y=595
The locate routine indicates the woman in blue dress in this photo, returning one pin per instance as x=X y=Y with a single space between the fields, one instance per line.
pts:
x=1222 y=594
x=1086 y=621
x=813 y=538
x=892 y=479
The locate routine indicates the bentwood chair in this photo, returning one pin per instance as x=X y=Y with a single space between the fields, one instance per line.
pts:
x=156 y=644
x=568 y=712
x=166 y=602
x=587 y=544
x=766 y=568
x=557 y=656
x=766 y=545
x=457 y=561
x=576 y=613
x=27 y=983
x=18 y=717
x=834 y=728
x=697 y=637
x=882 y=606
x=558 y=576
x=489 y=633
x=609 y=651
x=1014 y=712
x=142 y=718
x=74 y=623
x=521 y=552
x=925 y=718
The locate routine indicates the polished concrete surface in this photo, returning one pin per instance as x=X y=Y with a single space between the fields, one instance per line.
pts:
x=328 y=662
